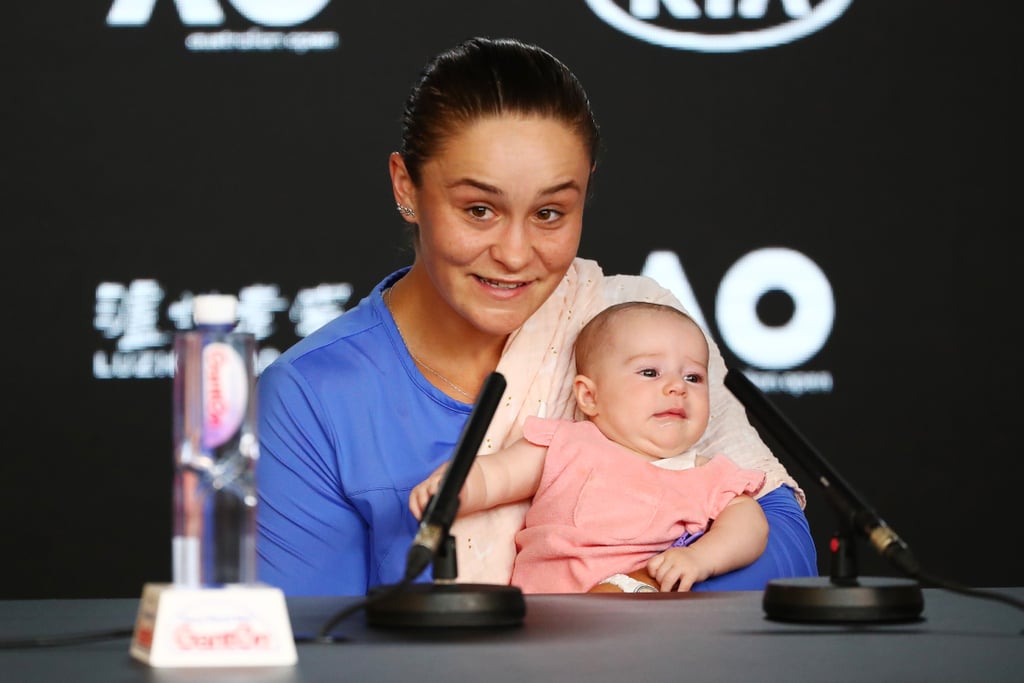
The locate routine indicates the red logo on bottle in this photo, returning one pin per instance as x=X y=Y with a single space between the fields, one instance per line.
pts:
x=241 y=637
x=225 y=393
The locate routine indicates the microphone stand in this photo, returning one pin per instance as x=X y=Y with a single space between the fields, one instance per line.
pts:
x=843 y=596
x=445 y=602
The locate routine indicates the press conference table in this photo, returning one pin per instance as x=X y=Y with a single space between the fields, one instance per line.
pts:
x=593 y=638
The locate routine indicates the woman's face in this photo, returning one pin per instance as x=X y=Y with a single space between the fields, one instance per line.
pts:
x=500 y=211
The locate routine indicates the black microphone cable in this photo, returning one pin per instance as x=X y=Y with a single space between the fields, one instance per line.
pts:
x=65 y=639
x=324 y=636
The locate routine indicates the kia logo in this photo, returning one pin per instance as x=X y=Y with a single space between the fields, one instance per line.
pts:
x=803 y=20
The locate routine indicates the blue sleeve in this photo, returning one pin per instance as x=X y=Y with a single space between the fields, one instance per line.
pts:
x=311 y=540
x=790 y=550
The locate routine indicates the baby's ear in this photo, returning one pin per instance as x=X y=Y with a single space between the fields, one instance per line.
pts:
x=586 y=399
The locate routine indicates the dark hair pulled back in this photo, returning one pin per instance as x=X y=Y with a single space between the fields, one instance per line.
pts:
x=485 y=77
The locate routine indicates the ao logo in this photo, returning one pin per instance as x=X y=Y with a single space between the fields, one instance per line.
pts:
x=750 y=278
x=804 y=20
x=209 y=12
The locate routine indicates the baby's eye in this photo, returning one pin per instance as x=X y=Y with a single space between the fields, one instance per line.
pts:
x=649 y=372
x=694 y=378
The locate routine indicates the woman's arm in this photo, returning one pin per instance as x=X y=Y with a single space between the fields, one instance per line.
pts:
x=510 y=475
x=310 y=539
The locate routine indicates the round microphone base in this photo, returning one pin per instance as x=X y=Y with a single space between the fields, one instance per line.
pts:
x=862 y=600
x=449 y=605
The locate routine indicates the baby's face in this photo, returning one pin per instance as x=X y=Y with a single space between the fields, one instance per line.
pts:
x=650 y=383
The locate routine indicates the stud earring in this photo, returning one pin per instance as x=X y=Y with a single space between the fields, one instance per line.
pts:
x=405 y=210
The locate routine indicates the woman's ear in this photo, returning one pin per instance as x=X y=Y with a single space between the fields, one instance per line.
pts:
x=586 y=396
x=402 y=185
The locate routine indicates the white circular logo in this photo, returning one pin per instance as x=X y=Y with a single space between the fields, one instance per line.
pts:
x=753 y=276
x=279 y=12
x=804 y=21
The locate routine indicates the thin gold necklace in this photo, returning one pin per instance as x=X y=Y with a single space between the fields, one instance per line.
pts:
x=453 y=385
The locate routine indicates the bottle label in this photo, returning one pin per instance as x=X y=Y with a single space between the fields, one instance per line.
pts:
x=225 y=393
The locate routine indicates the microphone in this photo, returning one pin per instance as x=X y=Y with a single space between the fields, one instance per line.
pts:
x=444 y=505
x=444 y=602
x=842 y=597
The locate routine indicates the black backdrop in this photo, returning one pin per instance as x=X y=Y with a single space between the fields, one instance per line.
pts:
x=882 y=148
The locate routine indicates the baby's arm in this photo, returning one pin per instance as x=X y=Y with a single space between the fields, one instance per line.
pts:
x=507 y=476
x=737 y=538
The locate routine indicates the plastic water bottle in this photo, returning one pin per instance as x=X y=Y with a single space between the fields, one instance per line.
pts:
x=216 y=448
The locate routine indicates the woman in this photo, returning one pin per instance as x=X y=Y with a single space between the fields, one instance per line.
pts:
x=499 y=145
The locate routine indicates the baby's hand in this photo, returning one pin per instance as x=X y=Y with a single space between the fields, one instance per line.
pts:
x=677 y=569
x=422 y=492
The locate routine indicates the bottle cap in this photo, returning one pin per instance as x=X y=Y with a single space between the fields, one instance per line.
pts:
x=215 y=309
